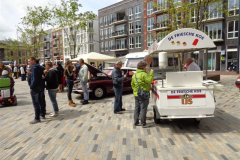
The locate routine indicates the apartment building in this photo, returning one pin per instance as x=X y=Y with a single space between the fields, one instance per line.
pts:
x=122 y=23
x=57 y=46
x=86 y=40
x=47 y=46
x=121 y=28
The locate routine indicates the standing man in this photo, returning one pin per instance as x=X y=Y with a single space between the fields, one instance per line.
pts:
x=36 y=88
x=148 y=59
x=83 y=76
x=52 y=86
x=118 y=79
x=192 y=66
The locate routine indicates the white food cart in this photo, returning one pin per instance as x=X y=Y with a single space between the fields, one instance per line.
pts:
x=183 y=94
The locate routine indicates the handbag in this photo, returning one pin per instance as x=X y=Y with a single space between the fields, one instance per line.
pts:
x=141 y=92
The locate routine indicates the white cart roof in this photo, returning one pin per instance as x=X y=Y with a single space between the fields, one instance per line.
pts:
x=95 y=57
x=184 y=40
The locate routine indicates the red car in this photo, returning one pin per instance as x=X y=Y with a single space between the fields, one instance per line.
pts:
x=100 y=84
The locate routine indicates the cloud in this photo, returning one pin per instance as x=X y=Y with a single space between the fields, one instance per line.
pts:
x=11 y=12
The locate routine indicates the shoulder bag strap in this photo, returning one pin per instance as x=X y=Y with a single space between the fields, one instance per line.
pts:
x=136 y=79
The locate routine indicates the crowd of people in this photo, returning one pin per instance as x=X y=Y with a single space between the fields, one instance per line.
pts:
x=52 y=78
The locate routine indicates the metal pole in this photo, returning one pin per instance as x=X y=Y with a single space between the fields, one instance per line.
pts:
x=162 y=78
x=206 y=64
x=238 y=49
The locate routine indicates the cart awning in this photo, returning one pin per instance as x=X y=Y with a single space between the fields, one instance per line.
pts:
x=184 y=40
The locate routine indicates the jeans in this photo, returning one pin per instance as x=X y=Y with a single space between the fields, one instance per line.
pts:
x=42 y=101
x=85 y=90
x=36 y=98
x=141 y=105
x=70 y=87
x=52 y=95
x=118 y=99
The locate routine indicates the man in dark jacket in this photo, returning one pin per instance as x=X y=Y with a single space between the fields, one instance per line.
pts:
x=36 y=88
x=52 y=85
x=118 y=79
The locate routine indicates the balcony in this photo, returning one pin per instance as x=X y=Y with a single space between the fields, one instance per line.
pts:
x=119 y=20
x=55 y=46
x=118 y=34
x=46 y=48
x=160 y=9
x=47 y=56
x=118 y=48
x=57 y=37
x=160 y=26
x=56 y=55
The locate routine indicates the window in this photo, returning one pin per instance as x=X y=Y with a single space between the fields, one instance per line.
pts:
x=138 y=27
x=214 y=30
x=161 y=4
x=131 y=28
x=233 y=29
x=162 y=20
x=177 y=19
x=19 y=53
x=193 y=15
x=161 y=35
x=177 y=3
x=130 y=10
x=105 y=21
x=149 y=8
x=111 y=45
x=110 y=32
x=11 y=53
x=138 y=42
x=110 y=19
x=106 y=46
x=138 y=10
x=233 y=7
x=101 y=34
x=131 y=44
x=91 y=37
x=121 y=43
x=106 y=33
x=102 y=46
x=150 y=22
x=120 y=30
x=91 y=47
x=214 y=10
x=150 y=38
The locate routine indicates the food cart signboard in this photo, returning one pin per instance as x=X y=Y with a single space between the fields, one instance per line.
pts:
x=184 y=40
x=186 y=98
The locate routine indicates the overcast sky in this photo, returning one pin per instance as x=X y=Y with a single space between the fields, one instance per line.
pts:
x=11 y=12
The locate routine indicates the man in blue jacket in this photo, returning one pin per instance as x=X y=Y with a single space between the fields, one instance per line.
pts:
x=36 y=88
x=118 y=79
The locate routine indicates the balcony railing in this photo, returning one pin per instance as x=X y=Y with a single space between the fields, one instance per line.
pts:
x=120 y=20
x=45 y=39
x=46 y=47
x=118 y=47
x=160 y=26
x=56 y=55
x=120 y=33
x=160 y=9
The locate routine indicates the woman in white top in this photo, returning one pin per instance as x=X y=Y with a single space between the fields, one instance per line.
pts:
x=23 y=75
x=15 y=71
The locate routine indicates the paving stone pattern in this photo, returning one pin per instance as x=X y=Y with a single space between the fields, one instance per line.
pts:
x=93 y=132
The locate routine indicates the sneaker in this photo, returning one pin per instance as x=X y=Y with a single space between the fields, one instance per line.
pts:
x=118 y=112
x=35 y=121
x=85 y=102
x=123 y=109
x=146 y=126
x=54 y=114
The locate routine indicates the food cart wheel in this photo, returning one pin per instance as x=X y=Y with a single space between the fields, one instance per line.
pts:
x=197 y=121
x=157 y=121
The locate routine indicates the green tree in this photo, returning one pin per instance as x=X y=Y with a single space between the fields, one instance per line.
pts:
x=34 y=23
x=71 y=20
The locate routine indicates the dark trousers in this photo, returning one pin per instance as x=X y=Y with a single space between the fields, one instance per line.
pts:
x=15 y=75
x=43 y=101
x=36 y=99
x=141 y=105
x=23 y=77
x=118 y=99
x=70 y=88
